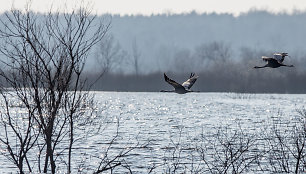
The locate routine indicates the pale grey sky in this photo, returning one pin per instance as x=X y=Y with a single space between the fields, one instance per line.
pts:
x=147 y=7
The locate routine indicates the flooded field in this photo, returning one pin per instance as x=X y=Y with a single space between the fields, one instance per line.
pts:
x=165 y=129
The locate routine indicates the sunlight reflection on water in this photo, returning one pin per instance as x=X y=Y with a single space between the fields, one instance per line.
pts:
x=158 y=117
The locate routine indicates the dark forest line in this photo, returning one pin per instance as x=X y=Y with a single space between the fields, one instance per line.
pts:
x=218 y=71
x=221 y=79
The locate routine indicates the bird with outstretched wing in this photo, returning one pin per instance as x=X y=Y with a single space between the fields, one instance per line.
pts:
x=181 y=88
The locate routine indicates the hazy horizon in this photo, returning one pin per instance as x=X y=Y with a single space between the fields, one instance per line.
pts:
x=149 y=7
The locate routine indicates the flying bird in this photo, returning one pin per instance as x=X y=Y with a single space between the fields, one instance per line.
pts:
x=181 y=88
x=275 y=61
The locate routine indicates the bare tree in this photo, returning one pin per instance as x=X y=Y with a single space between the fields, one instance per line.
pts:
x=183 y=62
x=45 y=59
x=136 y=56
x=109 y=54
x=213 y=53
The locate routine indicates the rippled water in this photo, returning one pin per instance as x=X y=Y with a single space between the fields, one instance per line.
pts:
x=164 y=118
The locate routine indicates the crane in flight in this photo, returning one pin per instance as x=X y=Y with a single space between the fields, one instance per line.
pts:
x=275 y=61
x=181 y=88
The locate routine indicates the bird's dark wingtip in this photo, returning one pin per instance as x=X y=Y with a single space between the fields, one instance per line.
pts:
x=191 y=75
x=165 y=77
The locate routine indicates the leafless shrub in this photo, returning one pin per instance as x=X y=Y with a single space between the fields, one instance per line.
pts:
x=108 y=161
x=180 y=157
x=229 y=151
x=247 y=96
x=286 y=140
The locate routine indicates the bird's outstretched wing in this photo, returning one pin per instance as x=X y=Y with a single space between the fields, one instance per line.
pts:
x=271 y=61
x=265 y=58
x=279 y=57
x=192 y=79
x=172 y=82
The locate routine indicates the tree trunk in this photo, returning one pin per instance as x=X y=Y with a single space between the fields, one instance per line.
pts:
x=49 y=154
x=20 y=167
x=70 y=146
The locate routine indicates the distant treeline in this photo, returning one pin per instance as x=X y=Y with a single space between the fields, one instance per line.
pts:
x=159 y=41
x=259 y=81
x=234 y=77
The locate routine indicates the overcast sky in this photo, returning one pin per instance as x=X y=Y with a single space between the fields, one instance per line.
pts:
x=147 y=7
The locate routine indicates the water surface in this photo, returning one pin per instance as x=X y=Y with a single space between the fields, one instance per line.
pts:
x=162 y=119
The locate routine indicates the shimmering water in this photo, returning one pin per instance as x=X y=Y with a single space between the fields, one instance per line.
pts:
x=162 y=119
